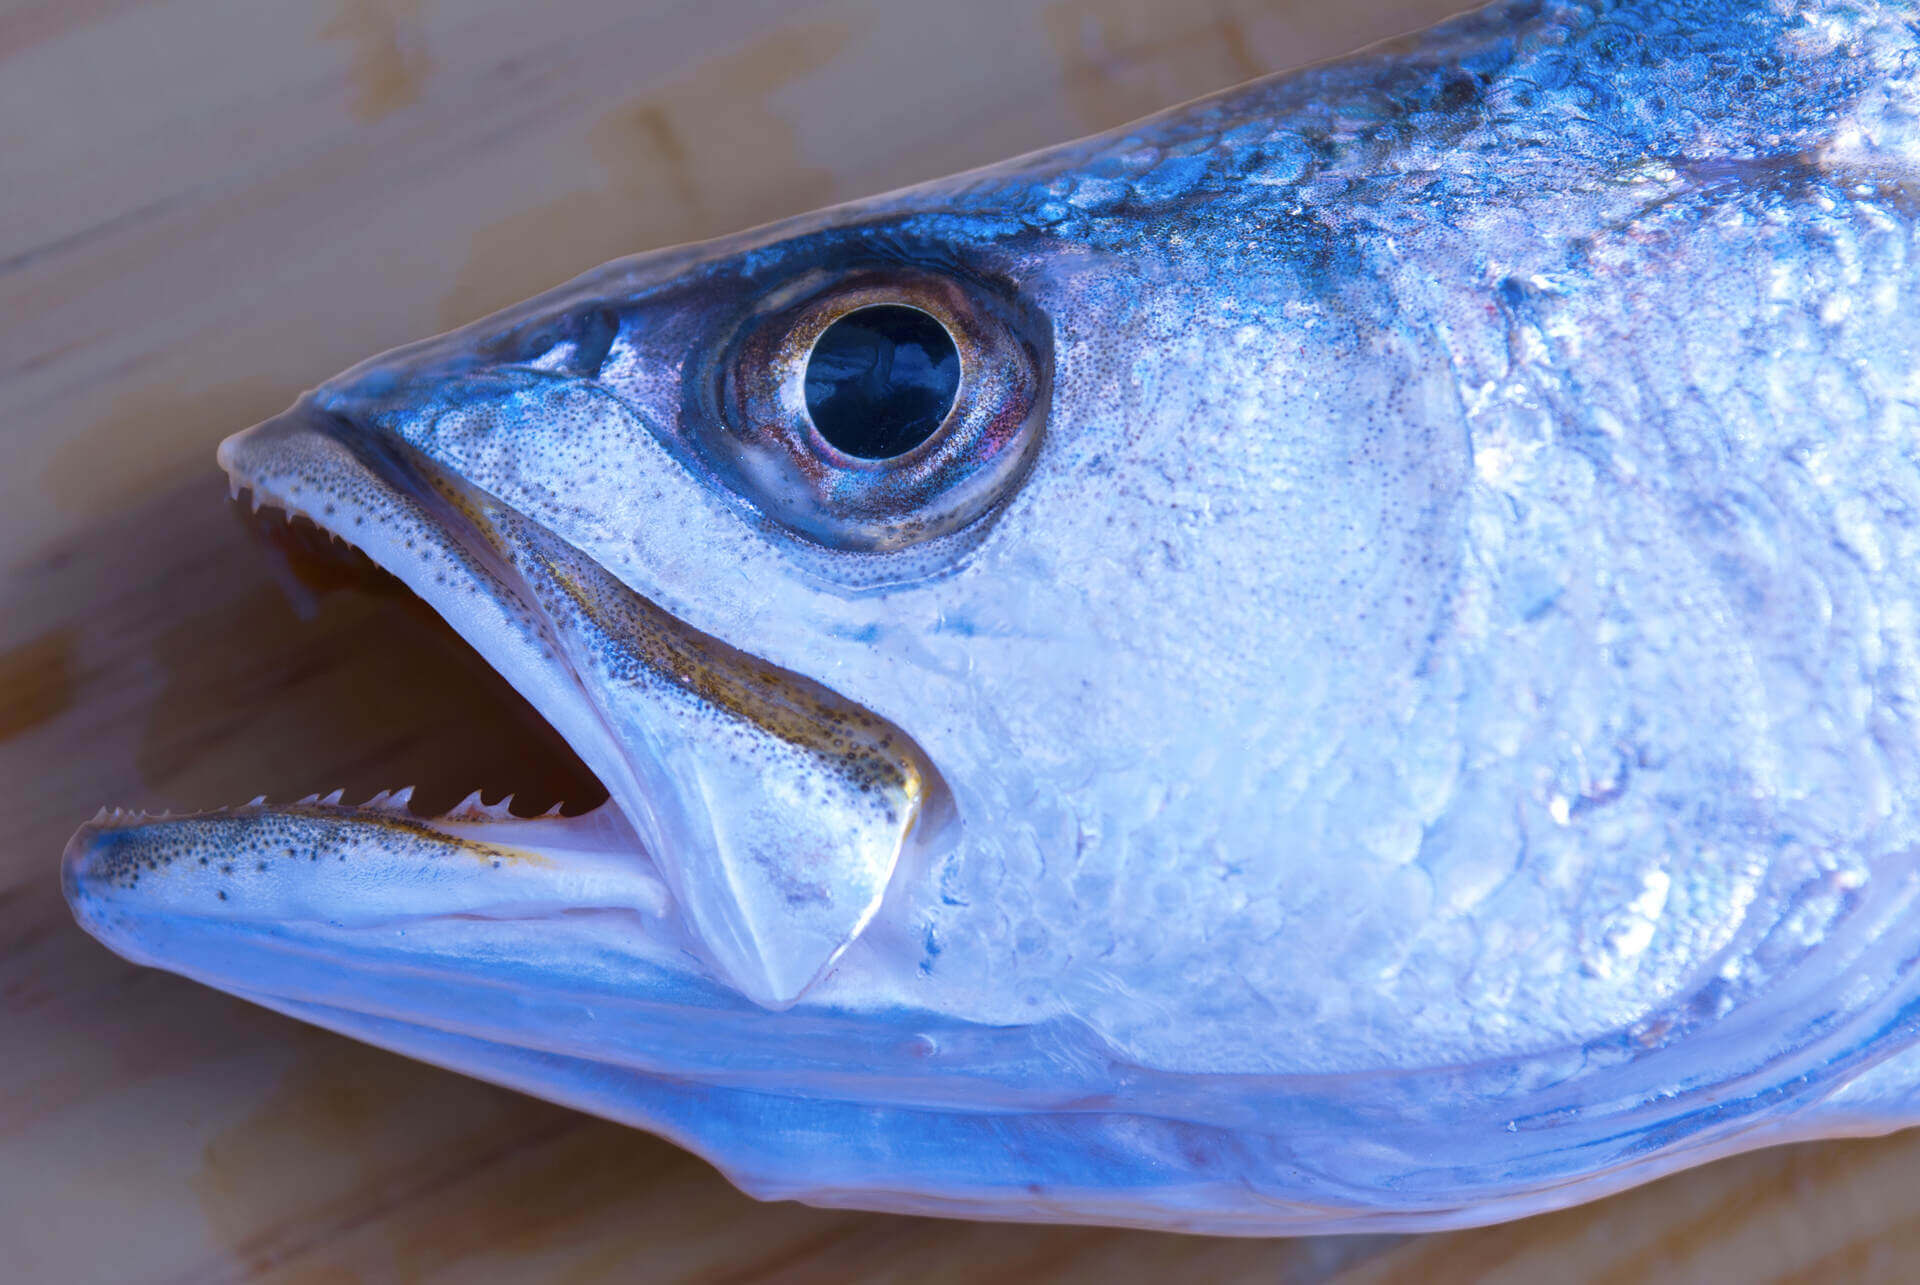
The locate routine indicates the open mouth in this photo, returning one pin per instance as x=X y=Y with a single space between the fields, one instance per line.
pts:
x=755 y=817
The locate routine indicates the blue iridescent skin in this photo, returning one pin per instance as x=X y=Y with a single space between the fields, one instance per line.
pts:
x=1390 y=702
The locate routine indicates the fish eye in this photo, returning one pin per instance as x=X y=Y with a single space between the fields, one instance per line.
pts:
x=876 y=406
x=880 y=380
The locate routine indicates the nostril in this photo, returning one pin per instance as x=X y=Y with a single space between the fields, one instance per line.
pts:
x=571 y=344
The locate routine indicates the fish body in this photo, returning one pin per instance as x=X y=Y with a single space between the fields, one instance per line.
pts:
x=1388 y=700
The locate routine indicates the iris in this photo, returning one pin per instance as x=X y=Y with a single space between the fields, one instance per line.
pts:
x=880 y=380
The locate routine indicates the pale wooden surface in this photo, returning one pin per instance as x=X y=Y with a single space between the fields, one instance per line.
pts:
x=206 y=206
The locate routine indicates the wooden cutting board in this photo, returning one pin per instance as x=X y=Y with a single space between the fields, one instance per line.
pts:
x=208 y=205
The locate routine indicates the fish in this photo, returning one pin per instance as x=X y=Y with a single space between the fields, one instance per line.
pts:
x=1343 y=657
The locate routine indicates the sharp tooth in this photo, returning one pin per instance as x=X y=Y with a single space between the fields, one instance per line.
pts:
x=393 y=801
x=471 y=808
x=258 y=800
x=311 y=798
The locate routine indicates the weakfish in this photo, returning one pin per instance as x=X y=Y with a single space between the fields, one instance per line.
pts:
x=1344 y=656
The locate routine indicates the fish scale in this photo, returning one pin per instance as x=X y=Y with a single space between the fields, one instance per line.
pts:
x=1423 y=732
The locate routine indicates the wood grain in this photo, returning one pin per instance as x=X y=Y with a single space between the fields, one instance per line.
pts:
x=206 y=205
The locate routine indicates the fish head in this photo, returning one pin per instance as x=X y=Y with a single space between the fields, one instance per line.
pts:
x=816 y=682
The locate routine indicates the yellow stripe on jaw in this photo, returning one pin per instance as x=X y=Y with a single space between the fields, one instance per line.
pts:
x=847 y=740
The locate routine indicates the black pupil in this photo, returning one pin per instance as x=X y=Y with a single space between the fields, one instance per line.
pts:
x=880 y=380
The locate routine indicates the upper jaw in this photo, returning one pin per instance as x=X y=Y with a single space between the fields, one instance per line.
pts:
x=769 y=810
